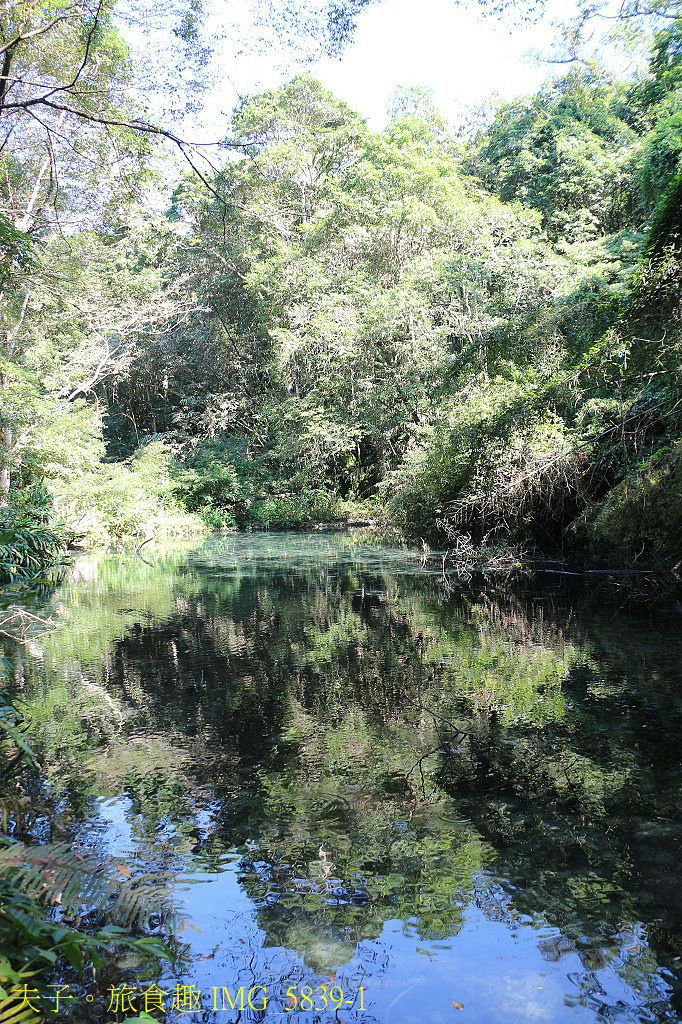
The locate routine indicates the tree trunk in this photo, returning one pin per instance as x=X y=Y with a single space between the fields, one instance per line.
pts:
x=5 y=472
x=24 y=222
x=7 y=448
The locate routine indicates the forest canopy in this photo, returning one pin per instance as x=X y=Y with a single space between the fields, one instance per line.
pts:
x=463 y=334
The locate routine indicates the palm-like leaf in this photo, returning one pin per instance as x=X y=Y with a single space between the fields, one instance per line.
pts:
x=19 y=815
x=14 y=1007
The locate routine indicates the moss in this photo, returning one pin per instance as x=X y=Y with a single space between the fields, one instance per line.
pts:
x=641 y=514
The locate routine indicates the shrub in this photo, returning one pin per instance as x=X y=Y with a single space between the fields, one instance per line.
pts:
x=30 y=545
x=124 y=501
x=642 y=513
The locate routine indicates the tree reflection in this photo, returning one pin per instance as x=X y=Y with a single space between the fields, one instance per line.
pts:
x=371 y=748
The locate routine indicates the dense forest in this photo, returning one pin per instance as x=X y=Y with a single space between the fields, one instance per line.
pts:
x=471 y=334
x=467 y=336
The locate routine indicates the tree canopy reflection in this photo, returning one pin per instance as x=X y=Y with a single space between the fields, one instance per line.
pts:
x=371 y=747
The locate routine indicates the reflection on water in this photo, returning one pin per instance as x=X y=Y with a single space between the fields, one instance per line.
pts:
x=433 y=803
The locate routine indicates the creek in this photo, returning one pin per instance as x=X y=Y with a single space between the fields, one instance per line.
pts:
x=399 y=800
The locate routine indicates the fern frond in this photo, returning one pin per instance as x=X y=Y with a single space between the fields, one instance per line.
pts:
x=14 y=1010
x=12 y=729
x=82 y=882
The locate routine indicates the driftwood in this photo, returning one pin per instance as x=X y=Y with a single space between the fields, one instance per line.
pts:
x=20 y=624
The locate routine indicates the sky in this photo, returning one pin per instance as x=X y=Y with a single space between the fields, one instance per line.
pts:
x=461 y=57
x=432 y=43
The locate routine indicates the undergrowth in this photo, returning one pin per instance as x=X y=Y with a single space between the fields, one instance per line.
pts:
x=31 y=543
x=580 y=452
x=127 y=501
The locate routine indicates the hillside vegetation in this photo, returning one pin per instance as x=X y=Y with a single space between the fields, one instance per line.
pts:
x=474 y=335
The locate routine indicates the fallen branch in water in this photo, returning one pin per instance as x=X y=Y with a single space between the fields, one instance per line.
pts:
x=139 y=547
x=604 y=572
x=20 y=624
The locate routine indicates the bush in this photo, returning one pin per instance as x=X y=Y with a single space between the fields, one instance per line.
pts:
x=127 y=501
x=642 y=514
x=292 y=510
x=30 y=545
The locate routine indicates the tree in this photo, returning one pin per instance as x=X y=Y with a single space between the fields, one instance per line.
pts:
x=58 y=56
x=297 y=136
x=571 y=152
x=74 y=143
x=63 y=158
x=654 y=11
x=367 y=264
x=16 y=256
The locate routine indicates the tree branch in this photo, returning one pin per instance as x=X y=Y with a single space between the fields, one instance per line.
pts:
x=40 y=31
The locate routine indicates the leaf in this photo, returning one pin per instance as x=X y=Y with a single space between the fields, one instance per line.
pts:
x=13 y=1013
x=13 y=1009
x=73 y=953
x=457 y=1006
x=52 y=872
x=124 y=871
x=8 y=972
x=47 y=954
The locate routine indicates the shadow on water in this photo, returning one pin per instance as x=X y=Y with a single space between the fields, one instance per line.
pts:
x=430 y=802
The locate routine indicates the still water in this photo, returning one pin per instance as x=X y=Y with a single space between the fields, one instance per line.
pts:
x=401 y=800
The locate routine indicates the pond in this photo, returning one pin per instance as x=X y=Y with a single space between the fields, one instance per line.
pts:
x=373 y=794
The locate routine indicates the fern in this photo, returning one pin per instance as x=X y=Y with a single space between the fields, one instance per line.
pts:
x=83 y=882
x=33 y=876
x=12 y=732
x=29 y=544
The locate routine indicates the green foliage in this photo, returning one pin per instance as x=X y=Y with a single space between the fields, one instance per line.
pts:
x=666 y=228
x=393 y=271
x=122 y=501
x=570 y=152
x=17 y=252
x=662 y=159
x=34 y=941
x=500 y=463
x=285 y=512
x=30 y=545
x=33 y=944
x=225 y=483
x=16 y=751
x=458 y=328
x=641 y=513
x=665 y=68
x=75 y=879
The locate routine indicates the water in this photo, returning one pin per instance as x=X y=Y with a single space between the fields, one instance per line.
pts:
x=400 y=801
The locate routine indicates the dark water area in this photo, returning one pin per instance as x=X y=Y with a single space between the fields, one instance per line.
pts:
x=401 y=800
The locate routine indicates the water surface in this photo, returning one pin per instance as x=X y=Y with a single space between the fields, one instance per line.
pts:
x=442 y=802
